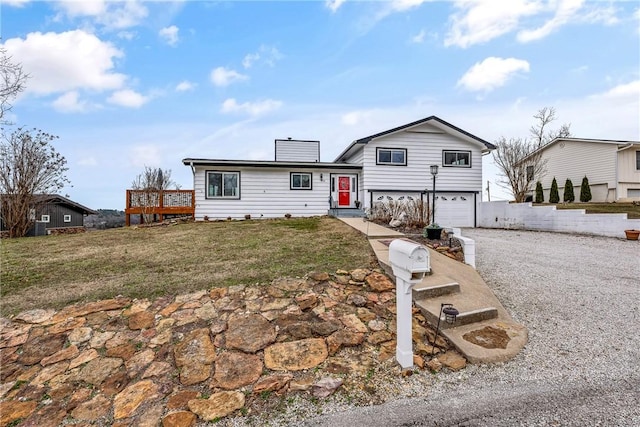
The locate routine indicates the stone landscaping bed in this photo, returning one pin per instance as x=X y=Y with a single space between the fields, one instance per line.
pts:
x=232 y=353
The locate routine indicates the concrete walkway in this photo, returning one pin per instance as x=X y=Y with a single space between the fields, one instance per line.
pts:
x=459 y=284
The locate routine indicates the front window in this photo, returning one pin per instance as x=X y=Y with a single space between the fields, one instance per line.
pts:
x=44 y=218
x=638 y=160
x=67 y=218
x=391 y=156
x=301 y=181
x=223 y=185
x=460 y=159
x=529 y=173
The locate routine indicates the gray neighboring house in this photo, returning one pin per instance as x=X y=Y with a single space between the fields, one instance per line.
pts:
x=57 y=214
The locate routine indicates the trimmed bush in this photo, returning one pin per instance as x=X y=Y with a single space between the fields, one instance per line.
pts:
x=554 y=197
x=585 y=190
x=539 y=193
x=568 y=195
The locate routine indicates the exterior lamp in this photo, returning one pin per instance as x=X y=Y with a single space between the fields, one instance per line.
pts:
x=450 y=315
x=434 y=172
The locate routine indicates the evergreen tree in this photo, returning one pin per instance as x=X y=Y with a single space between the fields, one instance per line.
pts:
x=539 y=193
x=585 y=190
x=554 y=197
x=568 y=195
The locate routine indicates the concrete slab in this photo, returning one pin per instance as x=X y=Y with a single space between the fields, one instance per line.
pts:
x=474 y=299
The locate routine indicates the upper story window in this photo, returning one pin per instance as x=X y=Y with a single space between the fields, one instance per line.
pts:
x=301 y=181
x=223 y=185
x=529 y=173
x=459 y=159
x=638 y=160
x=391 y=156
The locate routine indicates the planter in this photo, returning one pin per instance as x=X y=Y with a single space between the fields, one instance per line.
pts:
x=434 y=233
x=632 y=234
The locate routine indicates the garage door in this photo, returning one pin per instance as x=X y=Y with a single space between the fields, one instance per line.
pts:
x=455 y=209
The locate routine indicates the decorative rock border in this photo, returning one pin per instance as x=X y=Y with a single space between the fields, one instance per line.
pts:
x=198 y=356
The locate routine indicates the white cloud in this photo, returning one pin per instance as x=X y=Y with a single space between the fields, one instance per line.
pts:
x=128 y=98
x=565 y=12
x=111 y=14
x=334 y=5
x=404 y=5
x=256 y=108
x=419 y=38
x=355 y=117
x=629 y=90
x=185 y=86
x=127 y=35
x=491 y=73
x=70 y=103
x=268 y=55
x=222 y=76
x=144 y=155
x=88 y=161
x=15 y=3
x=169 y=35
x=60 y=62
x=483 y=20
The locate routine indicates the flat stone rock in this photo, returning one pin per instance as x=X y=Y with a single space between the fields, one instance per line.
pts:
x=141 y=320
x=64 y=354
x=92 y=307
x=319 y=276
x=277 y=383
x=40 y=347
x=307 y=301
x=35 y=316
x=377 y=325
x=249 y=333
x=138 y=362
x=99 y=339
x=181 y=399
x=80 y=335
x=98 y=369
x=179 y=419
x=325 y=387
x=157 y=369
x=50 y=415
x=93 y=409
x=50 y=372
x=194 y=356
x=11 y=411
x=325 y=328
x=206 y=312
x=218 y=405
x=452 y=360
x=359 y=274
x=296 y=355
x=378 y=282
x=275 y=304
x=84 y=357
x=150 y=417
x=378 y=337
x=354 y=324
x=236 y=369
x=343 y=338
x=67 y=325
x=129 y=399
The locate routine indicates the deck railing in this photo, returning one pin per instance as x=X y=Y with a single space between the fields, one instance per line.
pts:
x=149 y=203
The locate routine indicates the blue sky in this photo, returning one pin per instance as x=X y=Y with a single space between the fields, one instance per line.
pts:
x=128 y=84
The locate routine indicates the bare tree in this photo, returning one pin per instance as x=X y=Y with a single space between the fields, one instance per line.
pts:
x=520 y=161
x=30 y=168
x=150 y=185
x=13 y=79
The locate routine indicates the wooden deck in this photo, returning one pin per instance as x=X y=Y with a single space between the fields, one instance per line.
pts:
x=149 y=203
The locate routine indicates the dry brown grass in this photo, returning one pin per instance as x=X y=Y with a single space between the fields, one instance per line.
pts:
x=54 y=271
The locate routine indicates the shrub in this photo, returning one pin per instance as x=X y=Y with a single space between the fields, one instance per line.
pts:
x=554 y=197
x=585 y=190
x=416 y=211
x=539 y=193
x=568 y=195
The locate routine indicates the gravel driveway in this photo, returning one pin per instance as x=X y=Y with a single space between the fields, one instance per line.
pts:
x=579 y=297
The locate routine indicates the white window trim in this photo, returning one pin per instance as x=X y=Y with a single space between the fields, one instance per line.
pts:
x=234 y=197
x=638 y=160
x=45 y=218
x=452 y=165
x=292 y=187
x=67 y=218
x=391 y=150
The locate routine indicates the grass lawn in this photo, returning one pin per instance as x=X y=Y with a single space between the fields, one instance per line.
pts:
x=633 y=212
x=54 y=271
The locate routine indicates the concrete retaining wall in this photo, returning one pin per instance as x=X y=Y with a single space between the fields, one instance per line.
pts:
x=525 y=216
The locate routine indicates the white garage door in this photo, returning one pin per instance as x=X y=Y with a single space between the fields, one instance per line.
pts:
x=455 y=209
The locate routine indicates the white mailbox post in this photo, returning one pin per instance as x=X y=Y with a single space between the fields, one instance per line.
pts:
x=410 y=262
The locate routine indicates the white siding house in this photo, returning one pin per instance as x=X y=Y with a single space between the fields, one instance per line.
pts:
x=612 y=167
x=389 y=164
x=396 y=163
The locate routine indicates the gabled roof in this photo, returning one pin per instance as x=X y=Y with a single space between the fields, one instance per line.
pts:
x=619 y=143
x=438 y=122
x=60 y=200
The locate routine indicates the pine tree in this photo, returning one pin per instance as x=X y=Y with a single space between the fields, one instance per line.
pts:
x=554 y=197
x=568 y=195
x=539 y=193
x=585 y=190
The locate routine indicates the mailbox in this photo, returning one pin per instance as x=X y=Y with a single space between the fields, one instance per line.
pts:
x=409 y=260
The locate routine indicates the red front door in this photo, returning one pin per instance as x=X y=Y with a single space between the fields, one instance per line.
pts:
x=344 y=191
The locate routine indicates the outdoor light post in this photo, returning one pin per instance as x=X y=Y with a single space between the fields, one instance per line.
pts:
x=434 y=172
x=450 y=315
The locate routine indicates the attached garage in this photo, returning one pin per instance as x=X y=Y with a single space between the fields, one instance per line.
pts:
x=456 y=209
